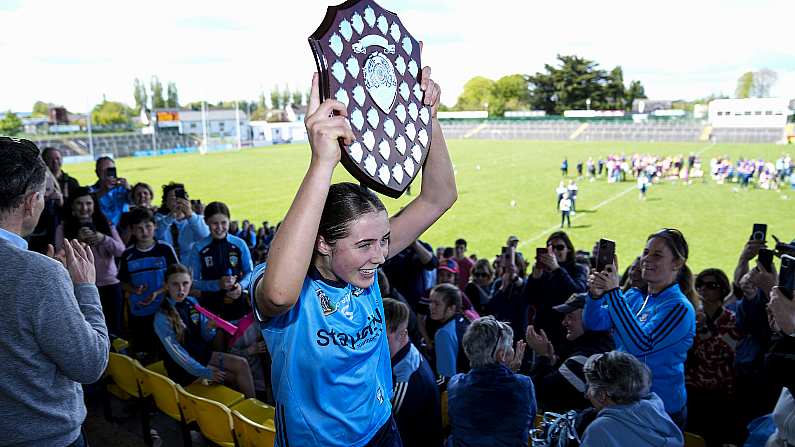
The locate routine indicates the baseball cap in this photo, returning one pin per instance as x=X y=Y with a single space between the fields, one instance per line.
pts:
x=448 y=264
x=575 y=301
x=512 y=238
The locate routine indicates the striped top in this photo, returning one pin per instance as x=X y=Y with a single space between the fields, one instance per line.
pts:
x=658 y=329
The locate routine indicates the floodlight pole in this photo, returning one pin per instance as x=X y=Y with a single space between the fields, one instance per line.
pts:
x=90 y=138
x=204 y=125
x=237 y=122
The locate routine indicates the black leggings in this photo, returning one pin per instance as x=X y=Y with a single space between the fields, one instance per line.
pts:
x=564 y=217
x=111 y=298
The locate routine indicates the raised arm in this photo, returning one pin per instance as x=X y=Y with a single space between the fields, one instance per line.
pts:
x=438 y=182
x=291 y=250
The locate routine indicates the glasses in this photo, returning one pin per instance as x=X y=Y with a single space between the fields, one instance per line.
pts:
x=711 y=285
x=558 y=247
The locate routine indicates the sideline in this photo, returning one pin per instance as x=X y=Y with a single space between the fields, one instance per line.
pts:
x=599 y=205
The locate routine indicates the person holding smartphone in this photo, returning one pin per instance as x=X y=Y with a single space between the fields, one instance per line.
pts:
x=658 y=327
x=87 y=224
x=111 y=191
x=176 y=222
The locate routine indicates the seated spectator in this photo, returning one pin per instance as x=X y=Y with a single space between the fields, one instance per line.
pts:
x=658 y=327
x=558 y=375
x=86 y=223
x=142 y=272
x=555 y=277
x=415 y=396
x=629 y=415
x=445 y=309
x=222 y=267
x=491 y=405
x=479 y=288
x=186 y=335
x=177 y=224
x=709 y=371
x=111 y=191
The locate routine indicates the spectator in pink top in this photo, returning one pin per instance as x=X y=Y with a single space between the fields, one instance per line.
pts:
x=86 y=223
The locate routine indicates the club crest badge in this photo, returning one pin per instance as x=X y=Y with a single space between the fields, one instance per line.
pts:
x=233 y=260
x=326 y=305
x=368 y=61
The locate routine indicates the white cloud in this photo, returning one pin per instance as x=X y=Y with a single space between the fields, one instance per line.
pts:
x=74 y=52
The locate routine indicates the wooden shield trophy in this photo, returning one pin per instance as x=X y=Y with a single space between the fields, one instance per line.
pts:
x=368 y=61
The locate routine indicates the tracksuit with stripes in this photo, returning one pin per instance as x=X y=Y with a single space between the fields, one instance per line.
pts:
x=657 y=328
x=415 y=399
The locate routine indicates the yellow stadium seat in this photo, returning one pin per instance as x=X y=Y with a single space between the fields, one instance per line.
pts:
x=158 y=367
x=163 y=390
x=694 y=440
x=253 y=423
x=214 y=419
x=218 y=393
x=122 y=370
x=120 y=344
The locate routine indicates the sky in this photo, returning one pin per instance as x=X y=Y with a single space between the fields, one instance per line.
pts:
x=74 y=52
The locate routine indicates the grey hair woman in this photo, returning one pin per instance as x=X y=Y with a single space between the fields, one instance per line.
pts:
x=488 y=342
x=616 y=377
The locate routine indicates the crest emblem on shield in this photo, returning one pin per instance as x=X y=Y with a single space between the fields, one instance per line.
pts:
x=368 y=61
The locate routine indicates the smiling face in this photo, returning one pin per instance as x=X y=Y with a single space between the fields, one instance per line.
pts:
x=658 y=265
x=83 y=208
x=179 y=286
x=355 y=258
x=709 y=289
x=219 y=225
x=142 y=197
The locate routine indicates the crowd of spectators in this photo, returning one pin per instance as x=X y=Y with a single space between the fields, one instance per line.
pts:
x=643 y=356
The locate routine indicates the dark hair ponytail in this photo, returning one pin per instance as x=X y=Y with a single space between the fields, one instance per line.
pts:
x=345 y=203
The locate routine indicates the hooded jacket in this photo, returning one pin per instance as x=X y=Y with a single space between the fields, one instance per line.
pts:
x=640 y=424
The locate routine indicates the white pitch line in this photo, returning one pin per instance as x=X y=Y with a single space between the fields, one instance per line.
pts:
x=599 y=205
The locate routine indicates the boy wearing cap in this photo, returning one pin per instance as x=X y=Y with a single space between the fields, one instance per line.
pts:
x=559 y=377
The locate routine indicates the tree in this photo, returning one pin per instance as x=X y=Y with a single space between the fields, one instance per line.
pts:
x=108 y=113
x=41 y=109
x=276 y=98
x=286 y=96
x=570 y=85
x=10 y=124
x=298 y=97
x=543 y=95
x=744 y=85
x=261 y=104
x=509 y=93
x=157 y=93
x=476 y=94
x=172 y=95
x=614 y=90
x=762 y=83
x=139 y=93
x=635 y=91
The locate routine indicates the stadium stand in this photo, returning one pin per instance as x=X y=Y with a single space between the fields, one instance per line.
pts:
x=121 y=145
x=746 y=135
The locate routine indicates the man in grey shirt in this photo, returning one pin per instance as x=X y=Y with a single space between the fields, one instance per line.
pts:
x=53 y=336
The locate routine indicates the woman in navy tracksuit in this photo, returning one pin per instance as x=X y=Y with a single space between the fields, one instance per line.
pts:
x=221 y=266
x=658 y=327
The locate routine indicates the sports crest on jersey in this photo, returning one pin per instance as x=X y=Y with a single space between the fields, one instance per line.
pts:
x=233 y=260
x=325 y=303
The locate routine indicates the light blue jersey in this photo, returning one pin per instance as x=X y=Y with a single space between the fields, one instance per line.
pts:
x=331 y=374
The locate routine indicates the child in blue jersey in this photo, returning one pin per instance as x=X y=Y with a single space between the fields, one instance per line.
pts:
x=221 y=266
x=319 y=304
x=177 y=224
x=445 y=309
x=142 y=272
x=187 y=335
x=656 y=327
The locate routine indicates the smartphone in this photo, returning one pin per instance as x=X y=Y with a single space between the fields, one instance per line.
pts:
x=110 y=172
x=180 y=193
x=541 y=251
x=605 y=253
x=786 y=276
x=759 y=232
x=766 y=259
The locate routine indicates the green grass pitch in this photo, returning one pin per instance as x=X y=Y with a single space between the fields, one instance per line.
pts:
x=259 y=184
